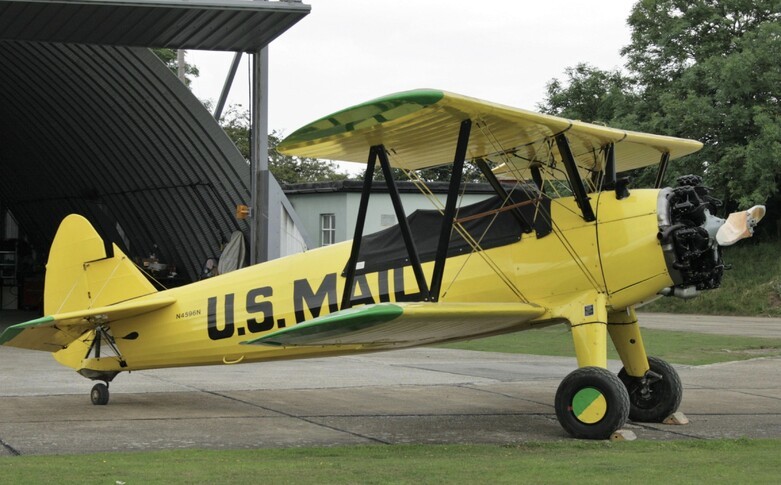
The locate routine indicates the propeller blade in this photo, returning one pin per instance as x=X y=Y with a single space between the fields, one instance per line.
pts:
x=740 y=225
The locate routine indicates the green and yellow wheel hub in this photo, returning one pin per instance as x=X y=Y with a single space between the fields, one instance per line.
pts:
x=589 y=405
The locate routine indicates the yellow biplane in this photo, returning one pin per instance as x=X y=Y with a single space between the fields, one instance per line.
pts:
x=564 y=240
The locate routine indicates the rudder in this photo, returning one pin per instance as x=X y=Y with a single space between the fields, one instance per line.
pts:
x=83 y=272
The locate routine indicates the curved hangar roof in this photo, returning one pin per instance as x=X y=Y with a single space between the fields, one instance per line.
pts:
x=110 y=133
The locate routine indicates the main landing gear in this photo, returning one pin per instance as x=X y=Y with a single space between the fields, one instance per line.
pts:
x=592 y=402
x=99 y=394
x=654 y=396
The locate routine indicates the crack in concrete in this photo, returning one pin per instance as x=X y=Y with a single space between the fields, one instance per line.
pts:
x=497 y=393
x=13 y=451
x=304 y=419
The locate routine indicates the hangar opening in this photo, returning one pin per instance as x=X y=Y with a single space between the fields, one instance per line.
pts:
x=94 y=123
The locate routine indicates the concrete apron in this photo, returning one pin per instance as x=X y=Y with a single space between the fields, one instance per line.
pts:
x=410 y=396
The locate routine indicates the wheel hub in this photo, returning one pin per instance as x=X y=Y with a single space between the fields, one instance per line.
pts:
x=589 y=405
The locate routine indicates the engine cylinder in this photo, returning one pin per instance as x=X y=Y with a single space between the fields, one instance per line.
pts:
x=686 y=222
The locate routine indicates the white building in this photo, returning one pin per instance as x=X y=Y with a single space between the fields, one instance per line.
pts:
x=328 y=210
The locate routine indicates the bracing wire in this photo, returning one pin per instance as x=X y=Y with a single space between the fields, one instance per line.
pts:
x=550 y=168
x=474 y=245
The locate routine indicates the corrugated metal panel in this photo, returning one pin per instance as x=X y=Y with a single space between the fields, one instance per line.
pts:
x=110 y=133
x=184 y=24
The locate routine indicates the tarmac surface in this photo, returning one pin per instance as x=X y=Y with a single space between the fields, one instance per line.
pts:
x=423 y=395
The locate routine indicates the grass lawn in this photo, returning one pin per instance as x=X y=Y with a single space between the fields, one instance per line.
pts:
x=638 y=462
x=676 y=347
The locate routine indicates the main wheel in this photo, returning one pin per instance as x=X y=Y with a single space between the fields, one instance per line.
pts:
x=591 y=403
x=99 y=394
x=657 y=395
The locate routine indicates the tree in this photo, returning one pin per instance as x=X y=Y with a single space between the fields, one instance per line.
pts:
x=434 y=174
x=286 y=169
x=703 y=69
x=590 y=94
x=168 y=56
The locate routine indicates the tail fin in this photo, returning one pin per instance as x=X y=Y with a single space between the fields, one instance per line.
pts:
x=84 y=273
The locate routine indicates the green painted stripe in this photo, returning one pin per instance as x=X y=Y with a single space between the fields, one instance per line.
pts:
x=338 y=323
x=595 y=412
x=364 y=115
x=13 y=331
x=583 y=399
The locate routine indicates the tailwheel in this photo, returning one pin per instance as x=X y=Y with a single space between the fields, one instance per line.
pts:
x=591 y=403
x=654 y=396
x=99 y=394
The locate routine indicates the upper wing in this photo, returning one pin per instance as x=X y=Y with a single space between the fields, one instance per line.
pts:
x=393 y=325
x=420 y=128
x=52 y=333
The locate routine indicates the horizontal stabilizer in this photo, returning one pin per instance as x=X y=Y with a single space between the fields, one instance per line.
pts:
x=54 y=332
x=393 y=325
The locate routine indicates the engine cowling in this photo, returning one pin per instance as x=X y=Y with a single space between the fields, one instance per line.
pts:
x=687 y=232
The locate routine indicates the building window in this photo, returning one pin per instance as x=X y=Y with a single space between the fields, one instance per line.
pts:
x=327 y=229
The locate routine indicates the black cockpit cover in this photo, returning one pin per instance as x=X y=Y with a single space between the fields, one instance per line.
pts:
x=386 y=250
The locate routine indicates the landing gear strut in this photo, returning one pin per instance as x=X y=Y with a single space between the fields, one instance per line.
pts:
x=654 y=396
x=99 y=394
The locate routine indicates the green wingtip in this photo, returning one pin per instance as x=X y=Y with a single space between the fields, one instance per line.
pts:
x=374 y=112
x=11 y=332
x=340 y=322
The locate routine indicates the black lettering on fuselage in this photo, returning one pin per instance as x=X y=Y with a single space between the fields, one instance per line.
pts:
x=365 y=297
x=398 y=287
x=188 y=314
x=263 y=307
x=382 y=282
x=304 y=298
x=216 y=333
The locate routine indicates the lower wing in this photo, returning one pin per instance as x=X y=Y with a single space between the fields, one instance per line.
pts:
x=393 y=325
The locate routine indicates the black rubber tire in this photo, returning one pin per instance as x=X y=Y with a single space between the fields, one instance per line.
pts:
x=664 y=398
x=99 y=394
x=589 y=379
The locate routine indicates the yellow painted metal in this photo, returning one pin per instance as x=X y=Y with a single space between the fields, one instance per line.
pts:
x=590 y=344
x=419 y=129
x=628 y=341
x=632 y=259
x=404 y=324
x=587 y=315
x=208 y=320
x=56 y=331
x=80 y=275
x=583 y=273
x=589 y=405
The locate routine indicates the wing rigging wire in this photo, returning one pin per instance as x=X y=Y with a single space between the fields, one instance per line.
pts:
x=549 y=170
x=475 y=245
x=550 y=166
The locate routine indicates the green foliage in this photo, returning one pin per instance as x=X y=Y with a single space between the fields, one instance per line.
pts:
x=703 y=69
x=434 y=174
x=235 y=122
x=592 y=95
x=751 y=288
x=570 y=461
x=168 y=56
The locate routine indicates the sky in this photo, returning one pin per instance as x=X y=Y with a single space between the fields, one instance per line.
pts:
x=346 y=52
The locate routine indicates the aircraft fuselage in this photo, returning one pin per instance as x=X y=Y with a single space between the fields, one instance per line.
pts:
x=618 y=256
